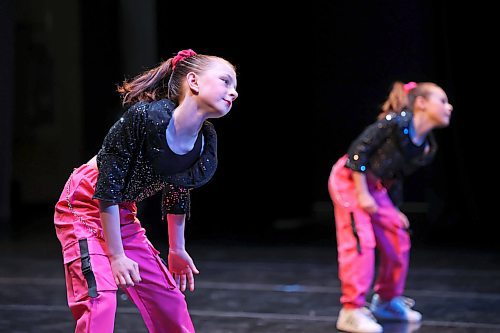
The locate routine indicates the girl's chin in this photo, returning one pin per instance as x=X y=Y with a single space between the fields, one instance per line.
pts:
x=219 y=114
x=225 y=111
x=445 y=123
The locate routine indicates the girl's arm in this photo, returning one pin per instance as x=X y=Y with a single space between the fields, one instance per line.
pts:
x=125 y=271
x=365 y=199
x=180 y=263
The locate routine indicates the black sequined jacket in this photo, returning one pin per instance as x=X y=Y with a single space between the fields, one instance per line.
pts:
x=385 y=149
x=132 y=152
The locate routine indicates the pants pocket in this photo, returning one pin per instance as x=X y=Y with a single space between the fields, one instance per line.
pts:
x=101 y=269
x=103 y=274
x=164 y=267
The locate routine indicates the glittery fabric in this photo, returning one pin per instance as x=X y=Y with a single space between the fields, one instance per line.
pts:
x=386 y=150
x=132 y=152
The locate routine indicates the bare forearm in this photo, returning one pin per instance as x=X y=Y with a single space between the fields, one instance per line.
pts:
x=365 y=199
x=359 y=179
x=110 y=219
x=176 y=224
x=180 y=263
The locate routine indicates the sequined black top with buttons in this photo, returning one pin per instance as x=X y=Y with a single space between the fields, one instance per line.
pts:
x=385 y=149
x=132 y=161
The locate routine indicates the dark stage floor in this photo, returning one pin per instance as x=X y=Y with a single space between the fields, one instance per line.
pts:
x=249 y=288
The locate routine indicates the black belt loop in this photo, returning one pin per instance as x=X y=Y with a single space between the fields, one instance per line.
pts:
x=87 y=267
x=355 y=232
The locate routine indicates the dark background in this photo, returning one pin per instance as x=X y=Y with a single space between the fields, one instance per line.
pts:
x=310 y=78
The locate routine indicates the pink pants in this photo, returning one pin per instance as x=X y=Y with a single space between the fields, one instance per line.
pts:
x=161 y=304
x=358 y=233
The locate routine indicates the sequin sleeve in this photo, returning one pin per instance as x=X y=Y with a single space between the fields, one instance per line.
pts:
x=116 y=155
x=367 y=142
x=176 y=200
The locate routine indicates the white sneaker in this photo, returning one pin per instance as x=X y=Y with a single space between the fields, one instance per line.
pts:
x=398 y=308
x=358 y=320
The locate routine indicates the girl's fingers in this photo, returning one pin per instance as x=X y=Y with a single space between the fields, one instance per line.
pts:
x=183 y=282
x=190 y=278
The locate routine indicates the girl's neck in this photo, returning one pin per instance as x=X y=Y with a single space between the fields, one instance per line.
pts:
x=420 y=128
x=187 y=120
x=183 y=128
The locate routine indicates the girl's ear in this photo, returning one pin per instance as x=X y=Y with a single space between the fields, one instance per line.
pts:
x=192 y=81
x=420 y=102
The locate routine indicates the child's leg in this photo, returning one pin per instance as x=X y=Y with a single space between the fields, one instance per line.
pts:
x=92 y=314
x=356 y=257
x=393 y=243
x=355 y=238
x=161 y=304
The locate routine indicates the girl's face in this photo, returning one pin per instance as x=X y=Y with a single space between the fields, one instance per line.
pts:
x=438 y=108
x=217 y=89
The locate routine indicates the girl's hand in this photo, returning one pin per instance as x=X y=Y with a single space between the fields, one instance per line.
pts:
x=367 y=203
x=125 y=271
x=182 y=268
x=404 y=220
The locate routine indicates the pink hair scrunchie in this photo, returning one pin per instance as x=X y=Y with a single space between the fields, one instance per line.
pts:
x=182 y=55
x=409 y=86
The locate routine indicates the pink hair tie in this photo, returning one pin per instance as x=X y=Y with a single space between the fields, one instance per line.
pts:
x=409 y=86
x=182 y=55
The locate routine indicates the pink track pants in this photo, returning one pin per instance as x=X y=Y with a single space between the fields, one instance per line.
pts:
x=358 y=233
x=161 y=304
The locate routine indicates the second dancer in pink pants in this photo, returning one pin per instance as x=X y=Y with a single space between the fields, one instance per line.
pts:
x=365 y=186
x=162 y=142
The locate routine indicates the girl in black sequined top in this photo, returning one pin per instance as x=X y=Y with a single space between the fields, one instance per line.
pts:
x=163 y=142
x=365 y=186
